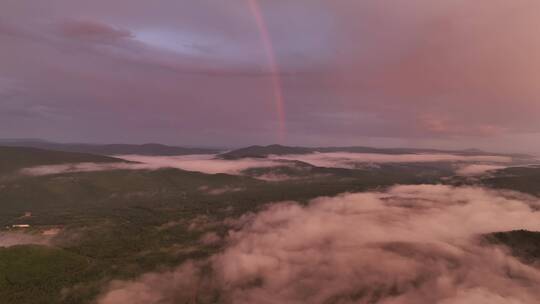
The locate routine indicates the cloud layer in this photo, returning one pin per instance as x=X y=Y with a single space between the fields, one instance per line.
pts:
x=476 y=169
x=410 y=244
x=348 y=160
x=200 y=163
x=211 y=165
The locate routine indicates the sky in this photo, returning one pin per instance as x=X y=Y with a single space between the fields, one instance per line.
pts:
x=411 y=73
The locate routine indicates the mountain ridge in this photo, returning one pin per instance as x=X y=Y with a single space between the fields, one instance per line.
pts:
x=15 y=158
x=257 y=151
x=151 y=149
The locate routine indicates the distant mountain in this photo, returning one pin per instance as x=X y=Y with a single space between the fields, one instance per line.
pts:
x=109 y=149
x=264 y=151
x=15 y=158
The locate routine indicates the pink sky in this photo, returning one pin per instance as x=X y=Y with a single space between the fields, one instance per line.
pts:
x=450 y=74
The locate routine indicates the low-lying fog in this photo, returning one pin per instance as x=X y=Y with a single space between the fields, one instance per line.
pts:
x=201 y=163
x=347 y=159
x=465 y=165
x=418 y=244
x=8 y=238
x=410 y=244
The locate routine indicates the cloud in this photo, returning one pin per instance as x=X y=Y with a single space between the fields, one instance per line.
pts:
x=276 y=177
x=410 y=244
x=210 y=238
x=81 y=167
x=348 y=160
x=92 y=30
x=8 y=239
x=221 y=190
x=477 y=169
x=211 y=165
x=200 y=163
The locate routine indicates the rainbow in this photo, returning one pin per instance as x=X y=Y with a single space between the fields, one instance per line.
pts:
x=275 y=77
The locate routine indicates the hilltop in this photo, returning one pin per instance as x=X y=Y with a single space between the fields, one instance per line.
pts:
x=15 y=158
x=108 y=149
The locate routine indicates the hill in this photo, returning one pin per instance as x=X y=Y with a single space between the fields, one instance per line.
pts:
x=522 y=243
x=522 y=179
x=108 y=149
x=15 y=158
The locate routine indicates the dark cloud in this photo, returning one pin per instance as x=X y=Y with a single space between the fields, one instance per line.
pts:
x=92 y=30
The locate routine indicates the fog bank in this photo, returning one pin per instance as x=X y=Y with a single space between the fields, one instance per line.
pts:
x=348 y=160
x=408 y=245
x=211 y=165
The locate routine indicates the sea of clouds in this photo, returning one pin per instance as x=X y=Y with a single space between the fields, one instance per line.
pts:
x=407 y=245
